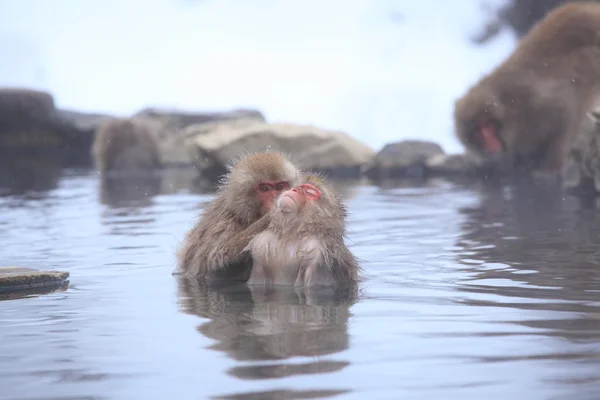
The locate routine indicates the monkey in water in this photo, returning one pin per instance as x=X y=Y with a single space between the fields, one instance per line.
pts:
x=212 y=247
x=524 y=114
x=125 y=147
x=303 y=244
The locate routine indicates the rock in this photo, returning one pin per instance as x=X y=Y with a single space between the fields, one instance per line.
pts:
x=168 y=125
x=212 y=146
x=30 y=125
x=451 y=165
x=86 y=123
x=405 y=159
x=25 y=104
x=171 y=120
x=27 y=123
x=582 y=169
x=17 y=282
x=80 y=129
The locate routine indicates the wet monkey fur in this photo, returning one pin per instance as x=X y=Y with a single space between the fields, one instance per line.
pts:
x=125 y=147
x=524 y=114
x=303 y=245
x=245 y=195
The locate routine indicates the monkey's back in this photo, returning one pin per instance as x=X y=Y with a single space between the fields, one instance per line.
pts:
x=565 y=32
x=125 y=145
x=203 y=251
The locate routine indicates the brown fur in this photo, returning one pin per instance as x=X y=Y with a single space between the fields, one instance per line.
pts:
x=229 y=222
x=125 y=146
x=539 y=96
x=305 y=248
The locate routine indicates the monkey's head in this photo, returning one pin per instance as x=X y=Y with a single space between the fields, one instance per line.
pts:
x=479 y=124
x=494 y=119
x=255 y=181
x=313 y=204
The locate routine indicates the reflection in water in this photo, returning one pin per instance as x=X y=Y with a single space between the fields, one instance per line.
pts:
x=284 y=394
x=138 y=191
x=34 y=291
x=22 y=174
x=270 y=324
x=550 y=238
x=470 y=292
x=533 y=250
x=122 y=192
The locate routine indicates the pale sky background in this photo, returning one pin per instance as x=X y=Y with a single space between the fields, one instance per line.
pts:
x=337 y=64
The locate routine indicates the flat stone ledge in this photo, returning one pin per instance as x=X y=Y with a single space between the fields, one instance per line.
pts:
x=18 y=279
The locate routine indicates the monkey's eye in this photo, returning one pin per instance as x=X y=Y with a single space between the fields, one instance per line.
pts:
x=311 y=191
x=280 y=186
x=264 y=188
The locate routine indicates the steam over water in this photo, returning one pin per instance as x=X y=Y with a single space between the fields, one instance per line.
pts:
x=379 y=70
x=470 y=293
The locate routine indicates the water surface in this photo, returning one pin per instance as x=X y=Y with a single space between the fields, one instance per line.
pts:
x=470 y=292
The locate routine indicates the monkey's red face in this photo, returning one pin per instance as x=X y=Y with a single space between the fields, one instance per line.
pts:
x=267 y=191
x=296 y=198
x=486 y=137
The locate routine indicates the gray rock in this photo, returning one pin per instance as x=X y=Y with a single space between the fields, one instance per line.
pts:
x=172 y=120
x=407 y=152
x=86 y=123
x=451 y=165
x=17 y=282
x=25 y=104
x=403 y=159
x=212 y=146
x=168 y=129
x=31 y=125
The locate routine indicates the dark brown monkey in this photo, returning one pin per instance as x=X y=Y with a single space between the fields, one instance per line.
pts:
x=525 y=113
x=246 y=194
x=125 y=147
x=304 y=243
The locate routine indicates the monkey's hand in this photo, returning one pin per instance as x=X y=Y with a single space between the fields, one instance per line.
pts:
x=238 y=260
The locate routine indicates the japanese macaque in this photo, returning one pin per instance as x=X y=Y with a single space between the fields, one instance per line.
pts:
x=125 y=147
x=524 y=114
x=304 y=245
x=211 y=249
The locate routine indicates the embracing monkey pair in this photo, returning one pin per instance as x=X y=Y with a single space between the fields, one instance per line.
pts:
x=270 y=224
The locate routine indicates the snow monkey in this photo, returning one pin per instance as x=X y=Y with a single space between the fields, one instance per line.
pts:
x=211 y=248
x=303 y=244
x=524 y=114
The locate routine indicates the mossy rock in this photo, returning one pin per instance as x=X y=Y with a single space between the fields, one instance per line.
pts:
x=14 y=281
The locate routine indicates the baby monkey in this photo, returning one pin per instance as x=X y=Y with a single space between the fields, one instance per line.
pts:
x=303 y=244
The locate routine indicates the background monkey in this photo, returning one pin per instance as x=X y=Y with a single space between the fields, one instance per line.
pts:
x=304 y=242
x=525 y=113
x=125 y=146
x=246 y=194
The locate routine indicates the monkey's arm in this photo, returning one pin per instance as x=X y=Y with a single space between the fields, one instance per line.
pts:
x=238 y=258
x=343 y=264
x=237 y=244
